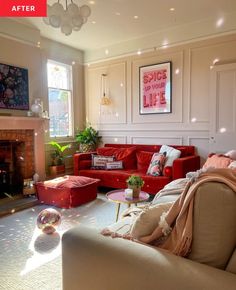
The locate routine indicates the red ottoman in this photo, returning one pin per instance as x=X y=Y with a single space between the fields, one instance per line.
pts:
x=68 y=191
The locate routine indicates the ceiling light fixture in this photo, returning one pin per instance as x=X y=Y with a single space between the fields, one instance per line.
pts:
x=68 y=19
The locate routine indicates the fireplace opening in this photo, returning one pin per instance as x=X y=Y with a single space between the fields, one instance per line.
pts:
x=21 y=155
x=12 y=167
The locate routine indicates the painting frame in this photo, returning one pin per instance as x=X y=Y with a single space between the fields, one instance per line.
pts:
x=14 y=87
x=155 y=88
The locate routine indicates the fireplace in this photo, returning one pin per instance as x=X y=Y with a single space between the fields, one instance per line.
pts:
x=16 y=163
x=21 y=152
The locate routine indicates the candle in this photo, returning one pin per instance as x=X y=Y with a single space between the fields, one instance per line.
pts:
x=128 y=193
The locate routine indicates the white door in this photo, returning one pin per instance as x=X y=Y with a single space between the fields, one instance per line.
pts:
x=223 y=108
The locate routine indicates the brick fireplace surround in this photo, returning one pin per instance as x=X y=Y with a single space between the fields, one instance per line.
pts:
x=29 y=130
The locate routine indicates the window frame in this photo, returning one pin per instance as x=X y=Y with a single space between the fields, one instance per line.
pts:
x=69 y=69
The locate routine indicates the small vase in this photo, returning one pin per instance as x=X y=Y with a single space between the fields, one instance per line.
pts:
x=136 y=190
x=37 y=108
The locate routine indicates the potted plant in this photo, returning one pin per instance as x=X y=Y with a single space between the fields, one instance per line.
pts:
x=135 y=182
x=57 y=164
x=88 y=139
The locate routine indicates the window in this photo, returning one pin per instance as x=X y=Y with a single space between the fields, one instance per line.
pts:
x=60 y=99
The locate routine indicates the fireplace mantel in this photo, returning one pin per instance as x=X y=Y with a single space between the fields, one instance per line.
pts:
x=20 y=119
x=38 y=125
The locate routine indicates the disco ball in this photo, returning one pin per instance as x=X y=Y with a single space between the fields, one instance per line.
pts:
x=48 y=220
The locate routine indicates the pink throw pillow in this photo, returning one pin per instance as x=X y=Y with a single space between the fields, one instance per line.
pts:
x=217 y=161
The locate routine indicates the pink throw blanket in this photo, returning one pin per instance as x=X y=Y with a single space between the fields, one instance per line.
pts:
x=180 y=215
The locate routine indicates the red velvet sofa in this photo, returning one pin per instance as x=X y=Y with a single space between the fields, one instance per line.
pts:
x=136 y=162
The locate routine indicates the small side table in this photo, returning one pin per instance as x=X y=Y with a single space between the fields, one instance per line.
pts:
x=118 y=196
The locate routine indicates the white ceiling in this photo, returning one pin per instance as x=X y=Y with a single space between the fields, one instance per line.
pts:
x=153 y=16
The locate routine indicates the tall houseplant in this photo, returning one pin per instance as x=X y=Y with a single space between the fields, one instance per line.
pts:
x=88 y=139
x=58 y=162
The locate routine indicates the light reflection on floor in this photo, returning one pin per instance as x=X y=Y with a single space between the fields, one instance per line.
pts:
x=44 y=248
x=28 y=254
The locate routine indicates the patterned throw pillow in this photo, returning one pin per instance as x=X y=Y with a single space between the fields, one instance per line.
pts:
x=114 y=165
x=157 y=164
x=99 y=162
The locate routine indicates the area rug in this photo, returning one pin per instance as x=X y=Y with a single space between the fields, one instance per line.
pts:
x=30 y=259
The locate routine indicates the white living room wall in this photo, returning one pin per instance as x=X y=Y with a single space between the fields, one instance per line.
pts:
x=33 y=56
x=190 y=119
x=19 y=54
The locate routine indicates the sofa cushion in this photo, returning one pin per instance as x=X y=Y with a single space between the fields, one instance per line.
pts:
x=214 y=222
x=69 y=181
x=126 y=155
x=184 y=151
x=148 y=220
x=117 y=179
x=99 y=161
x=156 y=165
x=122 y=226
x=217 y=161
x=232 y=165
x=106 y=151
x=143 y=160
x=171 y=191
x=231 y=154
x=171 y=154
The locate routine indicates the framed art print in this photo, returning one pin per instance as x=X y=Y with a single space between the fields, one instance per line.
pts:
x=155 y=89
x=14 y=88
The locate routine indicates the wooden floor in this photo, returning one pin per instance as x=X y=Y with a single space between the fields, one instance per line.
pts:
x=9 y=205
